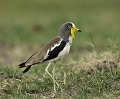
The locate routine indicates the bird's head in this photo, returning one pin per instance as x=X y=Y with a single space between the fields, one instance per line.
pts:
x=67 y=29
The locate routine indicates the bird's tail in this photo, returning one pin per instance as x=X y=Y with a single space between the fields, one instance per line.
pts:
x=23 y=65
x=27 y=69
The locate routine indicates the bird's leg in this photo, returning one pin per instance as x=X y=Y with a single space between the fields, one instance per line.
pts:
x=53 y=72
x=54 y=81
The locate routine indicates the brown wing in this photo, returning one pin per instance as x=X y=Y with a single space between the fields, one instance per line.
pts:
x=39 y=56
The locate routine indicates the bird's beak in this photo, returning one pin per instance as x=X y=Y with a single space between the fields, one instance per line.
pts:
x=73 y=30
x=78 y=30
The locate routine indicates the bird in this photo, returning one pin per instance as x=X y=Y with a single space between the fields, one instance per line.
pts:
x=54 y=50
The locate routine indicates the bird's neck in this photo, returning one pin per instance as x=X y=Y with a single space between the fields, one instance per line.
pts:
x=68 y=39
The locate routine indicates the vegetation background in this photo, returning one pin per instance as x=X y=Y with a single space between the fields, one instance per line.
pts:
x=90 y=71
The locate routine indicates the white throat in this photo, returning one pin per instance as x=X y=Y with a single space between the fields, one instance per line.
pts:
x=70 y=40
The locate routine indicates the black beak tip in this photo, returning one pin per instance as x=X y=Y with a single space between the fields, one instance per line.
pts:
x=79 y=31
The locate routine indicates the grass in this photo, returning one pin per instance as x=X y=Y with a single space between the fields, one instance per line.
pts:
x=83 y=78
x=90 y=71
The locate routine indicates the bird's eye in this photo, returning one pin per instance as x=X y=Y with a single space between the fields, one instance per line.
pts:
x=69 y=26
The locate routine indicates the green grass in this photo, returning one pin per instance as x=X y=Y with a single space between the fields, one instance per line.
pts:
x=76 y=79
x=90 y=71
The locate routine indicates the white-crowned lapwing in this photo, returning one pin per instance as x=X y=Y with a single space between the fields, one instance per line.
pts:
x=54 y=50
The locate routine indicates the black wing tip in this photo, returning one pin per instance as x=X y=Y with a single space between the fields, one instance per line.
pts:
x=22 y=65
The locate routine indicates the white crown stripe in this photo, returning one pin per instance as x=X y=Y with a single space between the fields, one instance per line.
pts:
x=73 y=24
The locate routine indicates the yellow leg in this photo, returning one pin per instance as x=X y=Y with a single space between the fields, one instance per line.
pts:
x=53 y=72
x=54 y=81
